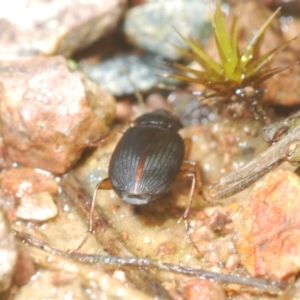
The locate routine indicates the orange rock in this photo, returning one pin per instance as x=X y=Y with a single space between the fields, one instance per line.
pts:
x=25 y=180
x=197 y=289
x=268 y=227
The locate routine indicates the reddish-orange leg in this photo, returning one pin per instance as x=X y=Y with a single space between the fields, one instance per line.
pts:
x=101 y=185
x=190 y=170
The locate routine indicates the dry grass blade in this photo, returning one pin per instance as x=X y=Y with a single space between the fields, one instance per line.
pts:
x=148 y=263
x=92 y=278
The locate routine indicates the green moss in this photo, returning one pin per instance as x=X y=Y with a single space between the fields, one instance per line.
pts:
x=236 y=70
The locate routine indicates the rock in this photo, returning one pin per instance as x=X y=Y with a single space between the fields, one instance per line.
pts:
x=58 y=285
x=56 y=26
x=8 y=253
x=151 y=26
x=218 y=250
x=268 y=227
x=34 y=188
x=49 y=113
x=290 y=27
x=290 y=6
x=190 y=110
x=25 y=267
x=20 y=181
x=283 y=88
x=36 y=207
x=124 y=74
x=5 y=161
x=197 y=289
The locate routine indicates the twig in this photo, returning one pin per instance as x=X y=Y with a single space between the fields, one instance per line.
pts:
x=149 y=263
x=94 y=278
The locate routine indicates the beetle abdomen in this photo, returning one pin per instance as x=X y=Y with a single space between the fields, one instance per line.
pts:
x=145 y=163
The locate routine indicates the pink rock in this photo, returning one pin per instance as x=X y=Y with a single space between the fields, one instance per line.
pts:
x=197 y=289
x=49 y=113
x=55 y=26
x=19 y=181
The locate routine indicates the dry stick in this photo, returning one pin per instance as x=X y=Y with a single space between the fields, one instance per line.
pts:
x=148 y=263
x=111 y=241
x=94 y=278
x=245 y=175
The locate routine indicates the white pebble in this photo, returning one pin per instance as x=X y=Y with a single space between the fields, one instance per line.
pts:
x=36 y=206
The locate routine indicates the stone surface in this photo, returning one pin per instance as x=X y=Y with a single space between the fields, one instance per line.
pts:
x=197 y=289
x=37 y=207
x=151 y=26
x=49 y=113
x=124 y=74
x=287 y=6
x=56 y=26
x=8 y=253
x=268 y=227
x=290 y=26
x=20 y=181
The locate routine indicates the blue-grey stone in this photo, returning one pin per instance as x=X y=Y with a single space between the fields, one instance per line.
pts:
x=126 y=73
x=151 y=26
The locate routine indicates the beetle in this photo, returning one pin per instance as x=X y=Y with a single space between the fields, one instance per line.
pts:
x=148 y=159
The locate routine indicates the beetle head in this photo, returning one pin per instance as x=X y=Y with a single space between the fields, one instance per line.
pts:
x=160 y=118
x=135 y=199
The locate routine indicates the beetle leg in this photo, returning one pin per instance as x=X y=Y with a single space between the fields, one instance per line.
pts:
x=190 y=170
x=104 y=184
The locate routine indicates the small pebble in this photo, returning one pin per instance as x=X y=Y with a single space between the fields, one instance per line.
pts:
x=37 y=207
x=18 y=181
x=198 y=289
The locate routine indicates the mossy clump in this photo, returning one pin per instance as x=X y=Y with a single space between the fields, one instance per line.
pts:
x=237 y=74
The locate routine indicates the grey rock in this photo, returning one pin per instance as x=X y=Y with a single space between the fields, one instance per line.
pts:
x=124 y=74
x=151 y=26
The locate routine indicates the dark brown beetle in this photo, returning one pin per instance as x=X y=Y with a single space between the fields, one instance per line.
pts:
x=147 y=160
